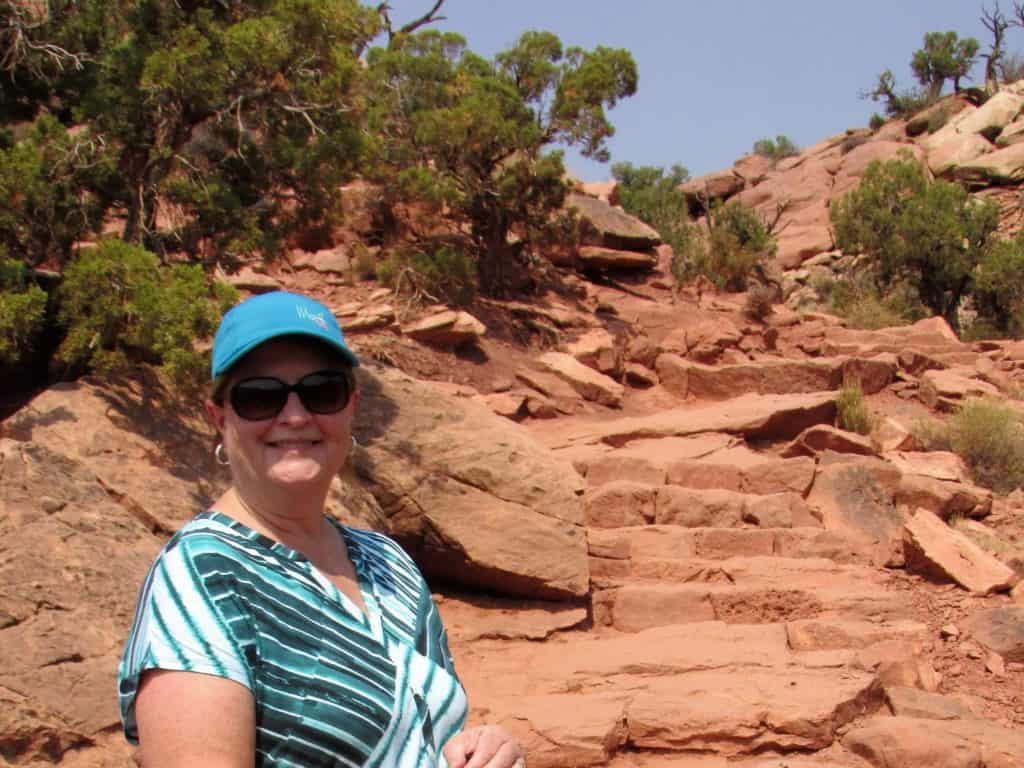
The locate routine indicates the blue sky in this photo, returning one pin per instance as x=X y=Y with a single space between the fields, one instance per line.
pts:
x=716 y=75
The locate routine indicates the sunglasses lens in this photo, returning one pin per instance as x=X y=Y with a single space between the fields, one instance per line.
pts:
x=258 y=399
x=324 y=392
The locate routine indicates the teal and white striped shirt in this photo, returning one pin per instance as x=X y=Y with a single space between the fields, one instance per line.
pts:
x=332 y=686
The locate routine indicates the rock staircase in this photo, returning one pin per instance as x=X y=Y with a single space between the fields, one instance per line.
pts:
x=736 y=616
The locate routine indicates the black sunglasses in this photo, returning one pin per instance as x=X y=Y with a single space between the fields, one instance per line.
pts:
x=263 y=397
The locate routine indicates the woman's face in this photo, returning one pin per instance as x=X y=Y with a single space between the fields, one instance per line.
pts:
x=295 y=448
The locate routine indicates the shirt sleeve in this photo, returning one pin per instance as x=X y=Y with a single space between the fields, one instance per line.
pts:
x=187 y=619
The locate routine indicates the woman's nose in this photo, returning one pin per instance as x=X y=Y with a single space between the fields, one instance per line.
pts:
x=294 y=410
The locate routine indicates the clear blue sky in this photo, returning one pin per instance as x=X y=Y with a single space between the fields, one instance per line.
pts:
x=716 y=75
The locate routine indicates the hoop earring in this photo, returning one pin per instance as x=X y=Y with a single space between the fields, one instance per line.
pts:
x=220 y=455
x=355 y=443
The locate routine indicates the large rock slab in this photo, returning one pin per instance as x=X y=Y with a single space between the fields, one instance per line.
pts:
x=850 y=500
x=894 y=742
x=609 y=227
x=741 y=469
x=688 y=378
x=599 y=257
x=939 y=387
x=936 y=551
x=734 y=715
x=590 y=384
x=1004 y=166
x=754 y=416
x=440 y=468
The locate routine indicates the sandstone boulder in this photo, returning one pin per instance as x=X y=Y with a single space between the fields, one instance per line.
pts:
x=822 y=437
x=596 y=348
x=446 y=329
x=1001 y=630
x=938 y=552
x=940 y=388
x=603 y=225
x=440 y=468
x=1004 y=166
x=704 y=190
x=887 y=742
x=955 y=151
x=598 y=257
x=590 y=384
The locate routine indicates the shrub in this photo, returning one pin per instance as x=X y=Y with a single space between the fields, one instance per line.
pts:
x=876 y=121
x=850 y=143
x=852 y=413
x=118 y=304
x=759 y=302
x=776 y=150
x=736 y=243
x=930 y=234
x=989 y=436
x=22 y=309
x=364 y=261
x=859 y=301
x=442 y=274
x=999 y=286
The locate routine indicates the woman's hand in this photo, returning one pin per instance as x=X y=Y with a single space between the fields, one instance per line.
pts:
x=486 y=746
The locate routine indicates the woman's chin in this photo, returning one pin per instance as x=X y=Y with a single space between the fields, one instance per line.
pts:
x=296 y=472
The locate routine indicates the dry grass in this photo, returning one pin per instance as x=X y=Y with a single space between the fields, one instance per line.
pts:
x=852 y=412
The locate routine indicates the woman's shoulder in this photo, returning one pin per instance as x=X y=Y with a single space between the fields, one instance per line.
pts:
x=208 y=534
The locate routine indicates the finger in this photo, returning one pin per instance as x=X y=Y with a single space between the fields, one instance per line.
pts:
x=489 y=741
x=509 y=755
x=457 y=750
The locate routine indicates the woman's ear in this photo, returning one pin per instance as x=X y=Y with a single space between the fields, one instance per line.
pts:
x=215 y=415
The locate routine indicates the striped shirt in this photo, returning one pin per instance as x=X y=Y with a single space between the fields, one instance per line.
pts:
x=332 y=686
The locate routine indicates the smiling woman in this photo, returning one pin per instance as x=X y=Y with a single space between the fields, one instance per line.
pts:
x=267 y=633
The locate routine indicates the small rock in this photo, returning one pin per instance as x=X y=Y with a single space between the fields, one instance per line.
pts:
x=970 y=649
x=51 y=505
x=949 y=631
x=955 y=670
x=994 y=663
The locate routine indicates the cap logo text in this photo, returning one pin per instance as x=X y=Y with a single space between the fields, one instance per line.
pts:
x=317 y=318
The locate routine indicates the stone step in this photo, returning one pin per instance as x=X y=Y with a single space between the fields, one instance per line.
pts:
x=612 y=551
x=626 y=503
x=690 y=691
x=640 y=605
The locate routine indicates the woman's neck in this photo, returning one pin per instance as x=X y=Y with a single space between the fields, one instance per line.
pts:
x=288 y=517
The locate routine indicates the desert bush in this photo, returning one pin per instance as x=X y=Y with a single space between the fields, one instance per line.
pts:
x=989 y=436
x=930 y=234
x=445 y=273
x=776 y=150
x=759 y=301
x=22 y=309
x=938 y=119
x=118 y=305
x=364 y=262
x=859 y=301
x=852 y=412
x=876 y=121
x=850 y=143
x=734 y=245
x=998 y=291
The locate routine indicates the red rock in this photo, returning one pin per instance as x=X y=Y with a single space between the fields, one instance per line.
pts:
x=596 y=348
x=826 y=634
x=710 y=187
x=446 y=329
x=590 y=384
x=1000 y=630
x=744 y=470
x=618 y=504
x=822 y=437
x=698 y=508
x=608 y=227
x=938 y=552
x=598 y=257
x=891 y=742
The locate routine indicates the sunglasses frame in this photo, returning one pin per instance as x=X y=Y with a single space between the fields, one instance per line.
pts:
x=299 y=388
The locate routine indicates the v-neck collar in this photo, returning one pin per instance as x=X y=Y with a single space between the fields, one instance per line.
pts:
x=365 y=582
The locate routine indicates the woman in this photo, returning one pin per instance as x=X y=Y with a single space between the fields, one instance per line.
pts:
x=267 y=633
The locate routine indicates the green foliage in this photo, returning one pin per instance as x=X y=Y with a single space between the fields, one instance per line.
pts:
x=999 y=286
x=653 y=195
x=1011 y=67
x=852 y=412
x=51 y=191
x=944 y=57
x=117 y=303
x=926 y=233
x=22 y=310
x=736 y=243
x=474 y=136
x=776 y=150
x=441 y=274
x=989 y=436
x=898 y=103
x=876 y=121
x=860 y=301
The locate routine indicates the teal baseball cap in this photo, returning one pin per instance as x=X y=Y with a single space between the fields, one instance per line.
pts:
x=268 y=316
